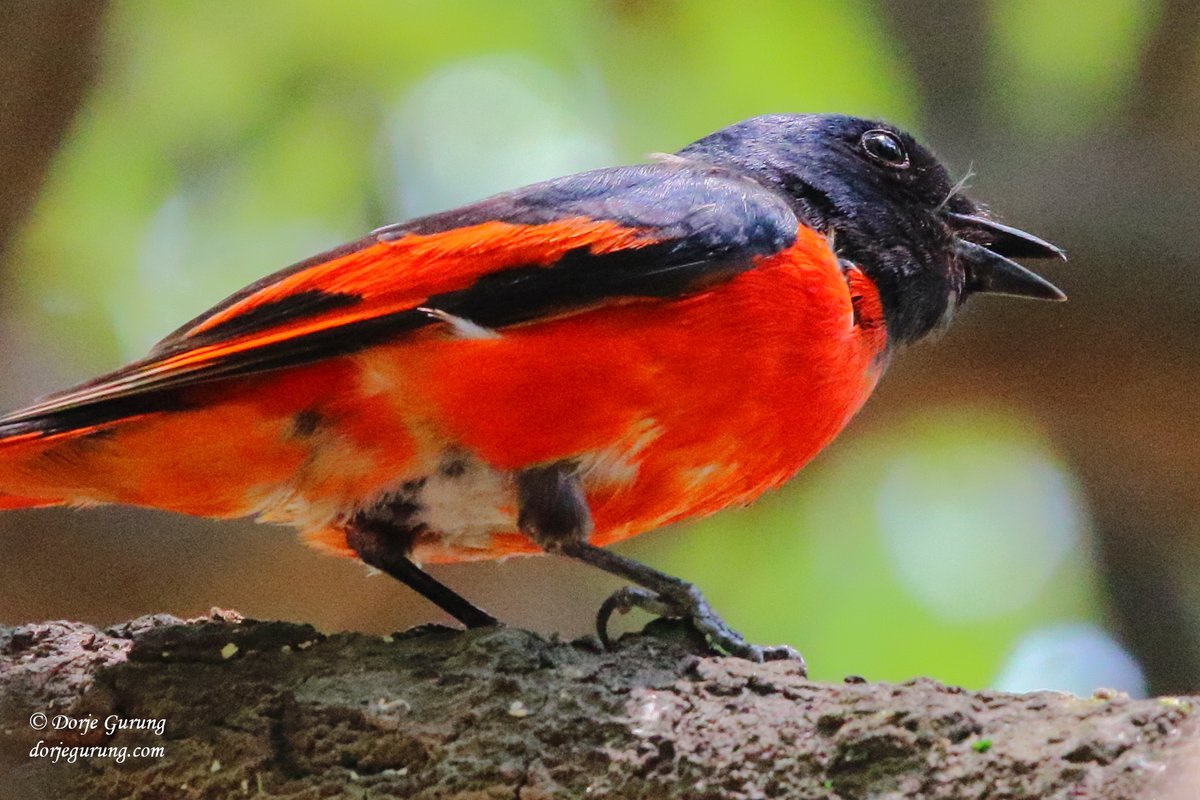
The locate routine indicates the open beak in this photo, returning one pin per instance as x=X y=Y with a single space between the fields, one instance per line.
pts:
x=990 y=271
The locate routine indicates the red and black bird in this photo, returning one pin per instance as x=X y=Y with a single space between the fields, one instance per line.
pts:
x=552 y=369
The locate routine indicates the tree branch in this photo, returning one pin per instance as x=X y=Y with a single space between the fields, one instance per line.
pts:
x=1165 y=100
x=50 y=52
x=275 y=709
x=944 y=43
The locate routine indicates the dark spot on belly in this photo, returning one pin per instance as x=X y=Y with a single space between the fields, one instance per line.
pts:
x=453 y=467
x=305 y=423
x=397 y=512
x=394 y=520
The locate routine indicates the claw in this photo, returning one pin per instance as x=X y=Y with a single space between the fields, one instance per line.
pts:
x=690 y=604
x=624 y=600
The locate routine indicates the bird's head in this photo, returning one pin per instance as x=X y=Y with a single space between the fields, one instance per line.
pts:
x=889 y=207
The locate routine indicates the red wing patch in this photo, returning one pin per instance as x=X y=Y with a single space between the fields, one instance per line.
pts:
x=390 y=276
x=377 y=283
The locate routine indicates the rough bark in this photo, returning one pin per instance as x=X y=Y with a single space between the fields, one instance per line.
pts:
x=272 y=709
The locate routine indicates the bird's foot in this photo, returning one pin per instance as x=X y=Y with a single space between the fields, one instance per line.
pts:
x=688 y=603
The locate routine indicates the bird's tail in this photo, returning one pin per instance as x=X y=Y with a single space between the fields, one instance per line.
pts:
x=20 y=485
x=222 y=459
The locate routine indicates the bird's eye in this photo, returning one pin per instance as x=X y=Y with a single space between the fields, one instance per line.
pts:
x=885 y=147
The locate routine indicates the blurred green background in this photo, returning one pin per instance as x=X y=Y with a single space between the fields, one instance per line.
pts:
x=1017 y=505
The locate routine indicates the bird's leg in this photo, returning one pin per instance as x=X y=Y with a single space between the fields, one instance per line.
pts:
x=662 y=594
x=385 y=546
x=554 y=513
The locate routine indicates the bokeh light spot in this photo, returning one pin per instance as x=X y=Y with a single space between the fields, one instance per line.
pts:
x=1076 y=657
x=975 y=522
x=483 y=125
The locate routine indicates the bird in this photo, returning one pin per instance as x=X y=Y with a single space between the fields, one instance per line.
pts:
x=549 y=370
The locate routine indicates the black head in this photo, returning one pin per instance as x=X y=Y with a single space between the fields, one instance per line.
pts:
x=889 y=207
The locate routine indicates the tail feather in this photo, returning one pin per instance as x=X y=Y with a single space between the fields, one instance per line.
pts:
x=21 y=445
x=179 y=462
